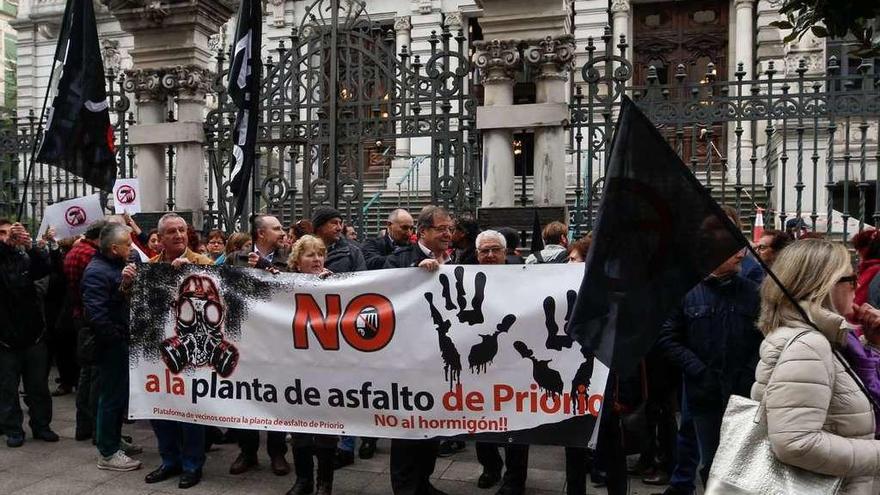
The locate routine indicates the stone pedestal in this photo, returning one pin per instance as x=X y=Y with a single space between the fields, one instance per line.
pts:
x=552 y=58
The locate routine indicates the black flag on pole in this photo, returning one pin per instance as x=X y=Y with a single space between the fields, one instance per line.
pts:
x=658 y=234
x=78 y=135
x=244 y=89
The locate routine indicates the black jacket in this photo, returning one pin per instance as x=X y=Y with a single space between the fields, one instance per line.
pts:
x=343 y=257
x=712 y=337
x=105 y=306
x=21 y=314
x=406 y=257
x=376 y=249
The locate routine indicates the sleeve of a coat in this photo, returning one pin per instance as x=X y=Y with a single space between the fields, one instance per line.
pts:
x=358 y=262
x=671 y=344
x=797 y=400
x=372 y=255
x=96 y=304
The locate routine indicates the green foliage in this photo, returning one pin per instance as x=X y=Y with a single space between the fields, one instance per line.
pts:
x=835 y=19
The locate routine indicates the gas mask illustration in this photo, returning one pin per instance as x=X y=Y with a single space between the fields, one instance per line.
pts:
x=199 y=313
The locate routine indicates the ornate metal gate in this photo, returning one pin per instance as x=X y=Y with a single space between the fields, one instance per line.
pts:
x=335 y=95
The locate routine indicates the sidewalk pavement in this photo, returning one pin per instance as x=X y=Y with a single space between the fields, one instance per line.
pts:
x=68 y=468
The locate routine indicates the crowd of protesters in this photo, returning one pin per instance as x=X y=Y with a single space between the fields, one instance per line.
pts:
x=727 y=337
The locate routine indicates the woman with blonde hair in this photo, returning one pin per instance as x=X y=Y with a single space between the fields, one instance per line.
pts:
x=818 y=417
x=307 y=256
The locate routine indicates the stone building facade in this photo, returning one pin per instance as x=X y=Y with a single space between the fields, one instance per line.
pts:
x=527 y=56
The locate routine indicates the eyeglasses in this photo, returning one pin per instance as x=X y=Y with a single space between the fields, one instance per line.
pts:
x=850 y=279
x=761 y=248
x=448 y=230
x=491 y=250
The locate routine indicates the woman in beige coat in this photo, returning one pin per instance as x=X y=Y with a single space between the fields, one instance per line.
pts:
x=818 y=418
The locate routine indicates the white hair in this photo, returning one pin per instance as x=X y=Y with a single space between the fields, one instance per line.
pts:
x=160 y=226
x=489 y=234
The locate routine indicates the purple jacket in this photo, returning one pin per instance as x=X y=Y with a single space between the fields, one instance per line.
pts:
x=865 y=362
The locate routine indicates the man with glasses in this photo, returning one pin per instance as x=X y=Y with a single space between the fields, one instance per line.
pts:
x=491 y=249
x=713 y=339
x=412 y=461
x=398 y=230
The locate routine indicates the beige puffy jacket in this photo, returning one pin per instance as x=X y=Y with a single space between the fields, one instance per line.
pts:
x=817 y=417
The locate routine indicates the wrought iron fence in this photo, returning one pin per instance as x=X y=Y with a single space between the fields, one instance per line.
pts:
x=798 y=145
x=335 y=95
x=50 y=184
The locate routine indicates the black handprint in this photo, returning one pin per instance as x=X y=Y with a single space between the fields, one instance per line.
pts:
x=474 y=315
x=448 y=352
x=555 y=341
x=444 y=282
x=546 y=377
x=483 y=352
x=580 y=384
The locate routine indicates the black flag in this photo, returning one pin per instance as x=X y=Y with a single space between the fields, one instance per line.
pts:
x=244 y=89
x=658 y=234
x=78 y=136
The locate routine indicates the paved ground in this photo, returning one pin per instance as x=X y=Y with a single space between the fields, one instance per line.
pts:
x=68 y=468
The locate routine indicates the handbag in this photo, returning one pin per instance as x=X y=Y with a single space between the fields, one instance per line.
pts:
x=745 y=464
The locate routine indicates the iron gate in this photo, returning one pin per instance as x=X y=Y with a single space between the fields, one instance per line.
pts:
x=784 y=136
x=334 y=97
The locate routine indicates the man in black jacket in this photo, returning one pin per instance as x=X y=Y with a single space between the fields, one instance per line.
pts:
x=342 y=256
x=268 y=252
x=412 y=461
x=397 y=235
x=105 y=285
x=23 y=353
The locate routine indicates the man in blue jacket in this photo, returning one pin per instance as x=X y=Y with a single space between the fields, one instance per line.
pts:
x=105 y=285
x=712 y=338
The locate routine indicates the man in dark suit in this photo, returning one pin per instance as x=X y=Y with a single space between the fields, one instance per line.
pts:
x=397 y=234
x=412 y=461
x=268 y=252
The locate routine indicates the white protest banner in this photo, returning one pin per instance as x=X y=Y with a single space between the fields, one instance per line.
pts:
x=390 y=353
x=127 y=196
x=72 y=217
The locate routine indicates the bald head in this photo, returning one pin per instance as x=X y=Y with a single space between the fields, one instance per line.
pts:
x=400 y=226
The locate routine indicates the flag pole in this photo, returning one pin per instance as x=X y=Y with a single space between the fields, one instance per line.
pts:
x=37 y=137
x=64 y=29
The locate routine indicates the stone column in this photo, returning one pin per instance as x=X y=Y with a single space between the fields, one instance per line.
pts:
x=171 y=58
x=620 y=17
x=745 y=52
x=152 y=108
x=189 y=192
x=497 y=61
x=552 y=58
x=402 y=32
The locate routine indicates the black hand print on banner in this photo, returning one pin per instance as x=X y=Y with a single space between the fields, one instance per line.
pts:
x=483 y=352
x=582 y=378
x=471 y=316
x=555 y=341
x=546 y=377
x=448 y=352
